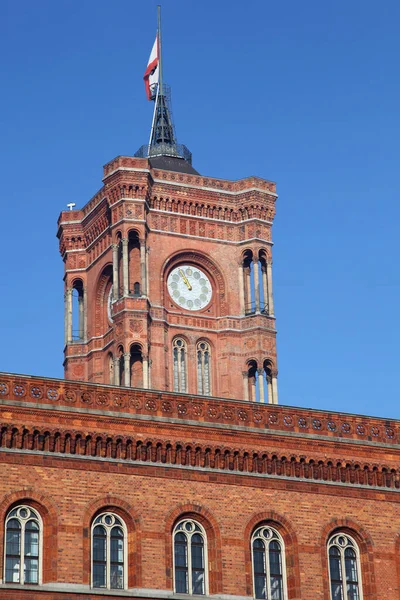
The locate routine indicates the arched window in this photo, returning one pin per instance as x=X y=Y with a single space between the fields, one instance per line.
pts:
x=268 y=564
x=180 y=360
x=203 y=369
x=23 y=546
x=190 y=558
x=109 y=552
x=344 y=568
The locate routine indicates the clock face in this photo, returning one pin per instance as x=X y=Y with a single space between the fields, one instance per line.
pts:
x=189 y=287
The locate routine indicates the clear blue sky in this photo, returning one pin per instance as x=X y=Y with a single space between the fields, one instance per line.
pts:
x=306 y=94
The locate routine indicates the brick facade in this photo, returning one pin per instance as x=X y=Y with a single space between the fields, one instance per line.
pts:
x=72 y=450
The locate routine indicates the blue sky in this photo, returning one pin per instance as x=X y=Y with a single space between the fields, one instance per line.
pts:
x=303 y=93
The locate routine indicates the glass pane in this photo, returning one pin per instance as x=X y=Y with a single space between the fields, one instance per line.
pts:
x=13 y=541
x=337 y=591
x=275 y=559
x=31 y=543
x=335 y=567
x=351 y=566
x=352 y=591
x=117 y=577
x=12 y=570
x=276 y=588
x=197 y=555
x=99 y=544
x=99 y=575
x=31 y=570
x=259 y=582
x=117 y=550
x=181 y=581
x=259 y=561
x=198 y=582
x=180 y=551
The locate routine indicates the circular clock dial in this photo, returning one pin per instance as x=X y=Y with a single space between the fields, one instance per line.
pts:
x=189 y=287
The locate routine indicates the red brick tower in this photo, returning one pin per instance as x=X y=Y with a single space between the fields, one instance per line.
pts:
x=172 y=277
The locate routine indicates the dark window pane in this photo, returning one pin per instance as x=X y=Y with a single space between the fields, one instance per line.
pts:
x=117 y=550
x=99 y=575
x=337 y=591
x=259 y=562
x=351 y=566
x=12 y=570
x=276 y=588
x=181 y=581
x=31 y=543
x=352 y=591
x=181 y=554
x=259 y=582
x=99 y=544
x=31 y=570
x=275 y=560
x=198 y=582
x=13 y=542
x=335 y=568
x=116 y=577
x=197 y=556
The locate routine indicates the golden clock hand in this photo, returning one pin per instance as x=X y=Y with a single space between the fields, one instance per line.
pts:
x=181 y=273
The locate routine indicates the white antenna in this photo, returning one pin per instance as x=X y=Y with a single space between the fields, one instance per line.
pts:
x=71 y=205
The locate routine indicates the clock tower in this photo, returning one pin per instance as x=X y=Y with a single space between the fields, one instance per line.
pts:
x=168 y=277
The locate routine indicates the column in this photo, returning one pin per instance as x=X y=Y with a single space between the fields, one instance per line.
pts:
x=265 y=288
x=143 y=267
x=69 y=315
x=125 y=267
x=253 y=389
x=66 y=317
x=245 y=375
x=261 y=384
x=247 y=289
x=85 y=331
x=256 y=285
x=269 y=390
x=145 y=363
x=81 y=326
x=115 y=272
x=269 y=283
x=116 y=372
x=127 y=369
x=241 y=290
x=275 y=387
x=149 y=373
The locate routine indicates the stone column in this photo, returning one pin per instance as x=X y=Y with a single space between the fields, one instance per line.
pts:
x=253 y=390
x=127 y=369
x=115 y=272
x=261 y=384
x=143 y=268
x=81 y=317
x=247 y=289
x=85 y=331
x=256 y=285
x=265 y=287
x=125 y=267
x=275 y=387
x=69 y=315
x=269 y=283
x=145 y=364
x=66 y=309
x=241 y=290
x=269 y=389
x=245 y=375
x=116 y=372
x=149 y=373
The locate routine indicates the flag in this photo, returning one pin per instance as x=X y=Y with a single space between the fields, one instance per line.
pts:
x=151 y=74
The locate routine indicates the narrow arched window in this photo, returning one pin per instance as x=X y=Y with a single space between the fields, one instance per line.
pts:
x=109 y=552
x=268 y=564
x=203 y=369
x=344 y=568
x=190 y=558
x=23 y=546
x=180 y=360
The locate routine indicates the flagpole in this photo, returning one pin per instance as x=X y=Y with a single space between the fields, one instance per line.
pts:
x=154 y=116
x=159 y=47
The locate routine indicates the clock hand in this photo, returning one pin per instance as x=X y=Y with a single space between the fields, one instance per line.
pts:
x=181 y=273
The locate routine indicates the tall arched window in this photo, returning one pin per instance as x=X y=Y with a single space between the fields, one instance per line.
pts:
x=203 y=369
x=180 y=360
x=109 y=552
x=23 y=546
x=344 y=568
x=268 y=555
x=190 y=558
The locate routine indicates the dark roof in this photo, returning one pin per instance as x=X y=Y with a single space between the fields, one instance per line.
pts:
x=172 y=163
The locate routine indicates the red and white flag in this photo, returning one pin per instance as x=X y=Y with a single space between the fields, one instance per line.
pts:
x=151 y=74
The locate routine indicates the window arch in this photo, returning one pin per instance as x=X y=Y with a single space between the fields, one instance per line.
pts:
x=344 y=568
x=23 y=547
x=203 y=368
x=179 y=348
x=190 y=558
x=109 y=551
x=269 y=570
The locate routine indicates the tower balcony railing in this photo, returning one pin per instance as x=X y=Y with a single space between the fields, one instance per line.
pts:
x=250 y=308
